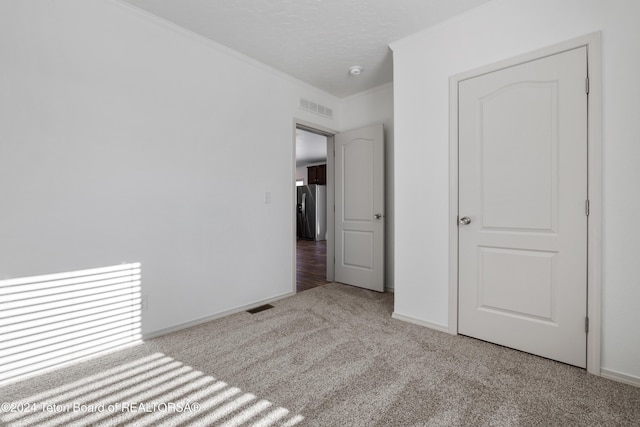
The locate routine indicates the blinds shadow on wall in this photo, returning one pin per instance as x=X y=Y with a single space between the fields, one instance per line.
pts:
x=50 y=320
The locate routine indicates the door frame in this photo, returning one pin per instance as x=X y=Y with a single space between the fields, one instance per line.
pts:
x=330 y=134
x=594 y=183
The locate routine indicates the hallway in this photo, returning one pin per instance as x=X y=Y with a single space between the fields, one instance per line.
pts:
x=311 y=264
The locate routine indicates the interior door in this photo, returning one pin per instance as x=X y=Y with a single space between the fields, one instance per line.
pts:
x=522 y=219
x=359 y=210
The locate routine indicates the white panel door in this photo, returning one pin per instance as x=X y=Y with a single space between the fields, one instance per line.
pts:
x=522 y=193
x=359 y=216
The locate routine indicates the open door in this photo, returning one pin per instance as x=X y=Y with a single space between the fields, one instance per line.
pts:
x=359 y=207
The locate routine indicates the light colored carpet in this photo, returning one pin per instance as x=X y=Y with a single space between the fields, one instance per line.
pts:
x=330 y=356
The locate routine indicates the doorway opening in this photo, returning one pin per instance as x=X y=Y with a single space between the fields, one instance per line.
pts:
x=313 y=195
x=355 y=197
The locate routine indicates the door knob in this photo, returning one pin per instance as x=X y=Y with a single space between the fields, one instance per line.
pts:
x=465 y=220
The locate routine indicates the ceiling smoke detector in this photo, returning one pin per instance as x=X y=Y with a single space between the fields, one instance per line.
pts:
x=355 y=70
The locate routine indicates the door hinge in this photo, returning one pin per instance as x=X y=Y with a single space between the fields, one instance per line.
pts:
x=586 y=325
x=586 y=85
x=586 y=207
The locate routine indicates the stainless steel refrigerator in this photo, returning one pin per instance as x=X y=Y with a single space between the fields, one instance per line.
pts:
x=312 y=212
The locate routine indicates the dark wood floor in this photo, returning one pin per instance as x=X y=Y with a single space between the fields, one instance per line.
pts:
x=311 y=264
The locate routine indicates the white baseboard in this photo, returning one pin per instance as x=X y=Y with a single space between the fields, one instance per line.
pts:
x=620 y=377
x=424 y=323
x=181 y=326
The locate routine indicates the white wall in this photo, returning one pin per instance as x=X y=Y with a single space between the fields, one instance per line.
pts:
x=496 y=31
x=363 y=109
x=301 y=174
x=121 y=139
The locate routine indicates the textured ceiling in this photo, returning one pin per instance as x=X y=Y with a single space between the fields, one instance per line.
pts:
x=315 y=41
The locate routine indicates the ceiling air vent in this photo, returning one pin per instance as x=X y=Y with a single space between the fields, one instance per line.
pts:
x=313 y=107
